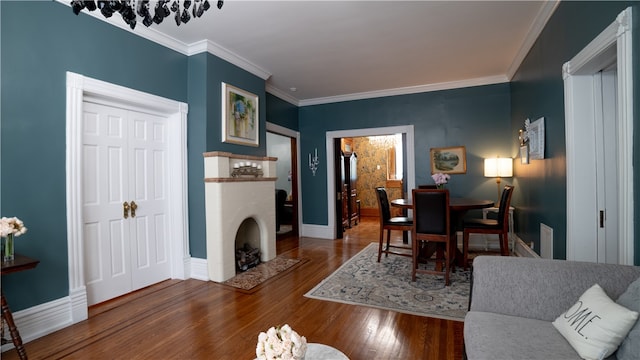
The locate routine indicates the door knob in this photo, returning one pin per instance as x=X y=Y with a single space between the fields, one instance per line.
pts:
x=125 y=207
x=134 y=206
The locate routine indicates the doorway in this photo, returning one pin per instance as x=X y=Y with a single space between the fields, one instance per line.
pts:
x=331 y=136
x=362 y=164
x=81 y=89
x=599 y=141
x=282 y=143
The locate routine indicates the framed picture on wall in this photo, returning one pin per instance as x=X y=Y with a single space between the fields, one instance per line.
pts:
x=449 y=160
x=524 y=153
x=536 y=139
x=240 y=123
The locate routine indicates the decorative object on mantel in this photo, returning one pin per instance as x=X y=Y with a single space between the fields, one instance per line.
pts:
x=440 y=179
x=10 y=228
x=281 y=343
x=129 y=8
x=240 y=123
x=246 y=169
x=535 y=134
x=314 y=162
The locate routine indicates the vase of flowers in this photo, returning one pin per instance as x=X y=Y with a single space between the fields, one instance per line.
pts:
x=281 y=343
x=9 y=229
x=440 y=179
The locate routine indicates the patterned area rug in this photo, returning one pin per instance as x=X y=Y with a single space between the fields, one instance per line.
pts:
x=250 y=279
x=387 y=285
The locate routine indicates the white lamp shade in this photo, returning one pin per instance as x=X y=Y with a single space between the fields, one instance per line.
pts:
x=502 y=167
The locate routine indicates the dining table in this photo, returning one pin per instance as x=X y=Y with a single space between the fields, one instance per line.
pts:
x=458 y=207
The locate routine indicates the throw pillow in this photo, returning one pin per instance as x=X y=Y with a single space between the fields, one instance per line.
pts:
x=595 y=325
x=630 y=347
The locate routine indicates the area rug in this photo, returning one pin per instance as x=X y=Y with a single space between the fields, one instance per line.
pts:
x=387 y=285
x=249 y=280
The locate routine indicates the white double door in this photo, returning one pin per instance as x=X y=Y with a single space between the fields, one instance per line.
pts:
x=125 y=202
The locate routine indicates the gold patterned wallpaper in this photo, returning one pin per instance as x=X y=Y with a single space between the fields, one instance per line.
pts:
x=372 y=153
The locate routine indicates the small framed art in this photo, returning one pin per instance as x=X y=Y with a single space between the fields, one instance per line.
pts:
x=449 y=160
x=240 y=123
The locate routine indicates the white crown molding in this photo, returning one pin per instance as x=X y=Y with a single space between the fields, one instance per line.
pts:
x=224 y=54
x=179 y=46
x=540 y=21
x=282 y=95
x=489 y=80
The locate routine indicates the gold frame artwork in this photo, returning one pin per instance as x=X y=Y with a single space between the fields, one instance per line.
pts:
x=449 y=160
x=240 y=120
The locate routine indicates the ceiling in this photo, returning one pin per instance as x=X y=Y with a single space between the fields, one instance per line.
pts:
x=312 y=52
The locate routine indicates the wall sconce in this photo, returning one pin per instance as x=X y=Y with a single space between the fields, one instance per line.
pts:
x=498 y=167
x=313 y=162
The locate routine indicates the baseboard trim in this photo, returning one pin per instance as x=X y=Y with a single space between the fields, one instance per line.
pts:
x=198 y=269
x=41 y=320
x=524 y=250
x=317 y=231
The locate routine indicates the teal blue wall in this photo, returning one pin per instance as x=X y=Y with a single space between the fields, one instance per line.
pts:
x=206 y=73
x=32 y=143
x=40 y=42
x=282 y=113
x=538 y=90
x=475 y=117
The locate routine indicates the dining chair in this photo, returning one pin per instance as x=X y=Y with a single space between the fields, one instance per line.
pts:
x=428 y=186
x=432 y=223
x=388 y=223
x=498 y=226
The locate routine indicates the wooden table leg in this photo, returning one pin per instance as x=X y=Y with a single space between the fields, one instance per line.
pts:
x=15 y=335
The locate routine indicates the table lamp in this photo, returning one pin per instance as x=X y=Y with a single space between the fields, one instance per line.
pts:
x=498 y=167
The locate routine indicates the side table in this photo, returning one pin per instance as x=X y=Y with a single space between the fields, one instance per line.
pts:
x=512 y=234
x=323 y=352
x=19 y=263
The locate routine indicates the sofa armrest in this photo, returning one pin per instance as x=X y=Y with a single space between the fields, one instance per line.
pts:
x=541 y=288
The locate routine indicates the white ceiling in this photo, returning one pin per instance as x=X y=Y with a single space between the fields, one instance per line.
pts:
x=342 y=50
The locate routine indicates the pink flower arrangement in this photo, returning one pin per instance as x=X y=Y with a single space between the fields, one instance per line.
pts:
x=440 y=179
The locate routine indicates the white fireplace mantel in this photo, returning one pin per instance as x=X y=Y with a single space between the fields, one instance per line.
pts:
x=231 y=200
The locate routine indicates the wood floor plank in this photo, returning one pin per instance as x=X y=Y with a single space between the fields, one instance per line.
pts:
x=194 y=319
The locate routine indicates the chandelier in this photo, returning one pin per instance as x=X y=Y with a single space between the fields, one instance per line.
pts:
x=162 y=9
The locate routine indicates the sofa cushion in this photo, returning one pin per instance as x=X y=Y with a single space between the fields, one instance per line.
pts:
x=595 y=325
x=630 y=347
x=497 y=336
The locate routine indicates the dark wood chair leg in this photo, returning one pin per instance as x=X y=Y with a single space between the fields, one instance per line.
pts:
x=13 y=330
x=465 y=250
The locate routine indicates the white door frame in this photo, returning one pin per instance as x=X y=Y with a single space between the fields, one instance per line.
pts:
x=613 y=43
x=331 y=186
x=79 y=89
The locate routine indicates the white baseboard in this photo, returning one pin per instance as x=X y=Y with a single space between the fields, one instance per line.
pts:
x=41 y=320
x=524 y=250
x=317 y=231
x=198 y=269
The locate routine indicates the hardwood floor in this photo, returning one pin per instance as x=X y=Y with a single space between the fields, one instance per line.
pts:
x=194 y=319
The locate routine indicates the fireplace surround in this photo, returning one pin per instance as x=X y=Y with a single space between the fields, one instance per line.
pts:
x=230 y=199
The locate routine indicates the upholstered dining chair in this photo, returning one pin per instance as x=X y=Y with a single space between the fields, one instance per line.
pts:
x=431 y=223
x=498 y=226
x=428 y=186
x=388 y=223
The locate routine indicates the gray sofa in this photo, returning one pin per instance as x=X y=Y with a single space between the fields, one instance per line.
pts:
x=514 y=301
